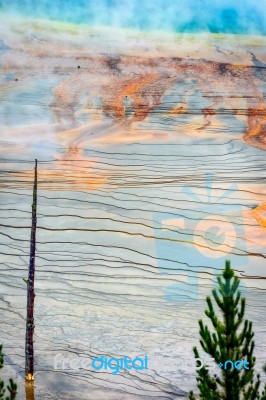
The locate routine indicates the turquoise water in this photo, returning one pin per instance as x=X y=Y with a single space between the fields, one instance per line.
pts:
x=235 y=16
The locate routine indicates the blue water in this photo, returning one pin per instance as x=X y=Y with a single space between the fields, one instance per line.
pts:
x=219 y=16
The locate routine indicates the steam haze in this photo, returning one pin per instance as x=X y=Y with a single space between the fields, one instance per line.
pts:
x=219 y=16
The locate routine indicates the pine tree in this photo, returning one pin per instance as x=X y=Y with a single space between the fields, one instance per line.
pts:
x=12 y=387
x=232 y=340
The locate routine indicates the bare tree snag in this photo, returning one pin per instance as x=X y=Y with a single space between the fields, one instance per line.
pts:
x=29 y=350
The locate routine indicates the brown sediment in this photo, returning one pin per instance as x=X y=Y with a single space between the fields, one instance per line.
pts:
x=260 y=214
x=88 y=104
x=135 y=87
x=208 y=113
x=144 y=80
x=75 y=169
x=71 y=169
x=179 y=109
x=255 y=135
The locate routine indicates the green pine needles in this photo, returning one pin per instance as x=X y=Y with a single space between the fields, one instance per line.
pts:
x=232 y=340
x=12 y=387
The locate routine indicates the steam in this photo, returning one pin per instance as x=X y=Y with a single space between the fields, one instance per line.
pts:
x=226 y=16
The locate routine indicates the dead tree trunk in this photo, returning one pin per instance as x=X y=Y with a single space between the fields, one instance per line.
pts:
x=29 y=390
x=29 y=350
